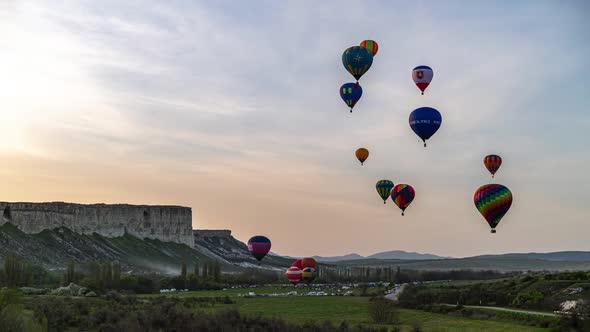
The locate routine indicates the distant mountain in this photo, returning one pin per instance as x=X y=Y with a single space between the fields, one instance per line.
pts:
x=399 y=254
x=571 y=256
x=338 y=258
x=394 y=254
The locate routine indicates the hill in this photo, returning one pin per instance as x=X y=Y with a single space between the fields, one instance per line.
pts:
x=56 y=247
x=572 y=256
x=394 y=254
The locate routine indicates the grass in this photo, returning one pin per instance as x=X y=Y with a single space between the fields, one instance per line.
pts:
x=354 y=310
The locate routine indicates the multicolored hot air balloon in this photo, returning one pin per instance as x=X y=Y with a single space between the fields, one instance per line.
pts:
x=351 y=93
x=259 y=246
x=493 y=201
x=297 y=264
x=361 y=154
x=422 y=75
x=402 y=195
x=294 y=274
x=357 y=60
x=308 y=262
x=492 y=162
x=308 y=274
x=384 y=188
x=370 y=45
x=425 y=121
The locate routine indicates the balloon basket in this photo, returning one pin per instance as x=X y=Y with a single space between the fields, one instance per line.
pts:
x=493 y=231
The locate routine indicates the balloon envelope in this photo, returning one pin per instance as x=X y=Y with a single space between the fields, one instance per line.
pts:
x=402 y=195
x=384 y=188
x=370 y=45
x=294 y=274
x=308 y=274
x=492 y=162
x=493 y=201
x=297 y=264
x=308 y=262
x=259 y=246
x=422 y=76
x=351 y=93
x=425 y=121
x=361 y=154
x=357 y=60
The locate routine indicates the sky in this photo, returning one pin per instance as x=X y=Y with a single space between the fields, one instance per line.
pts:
x=232 y=108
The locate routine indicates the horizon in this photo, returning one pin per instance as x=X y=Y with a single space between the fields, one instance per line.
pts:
x=233 y=110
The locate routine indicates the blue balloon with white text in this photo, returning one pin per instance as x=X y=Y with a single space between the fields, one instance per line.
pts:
x=425 y=121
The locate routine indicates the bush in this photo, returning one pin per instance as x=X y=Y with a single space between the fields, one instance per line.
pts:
x=382 y=311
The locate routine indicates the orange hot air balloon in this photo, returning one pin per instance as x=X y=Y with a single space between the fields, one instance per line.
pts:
x=492 y=162
x=308 y=262
x=362 y=154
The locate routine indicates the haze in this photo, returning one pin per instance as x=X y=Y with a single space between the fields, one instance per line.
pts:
x=232 y=108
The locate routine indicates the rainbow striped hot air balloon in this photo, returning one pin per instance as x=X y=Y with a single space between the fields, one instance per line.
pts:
x=259 y=246
x=384 y=188
x=402 y=195
x=493 y=201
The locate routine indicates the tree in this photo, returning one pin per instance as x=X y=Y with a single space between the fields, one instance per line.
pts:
x=183 y=270
x=216 y=271
x=205 y=271
x=17 y=273
x=197 y=271
x=70 y=274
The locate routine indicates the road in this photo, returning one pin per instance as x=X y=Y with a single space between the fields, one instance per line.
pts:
x=518 y=311
x=394 y=295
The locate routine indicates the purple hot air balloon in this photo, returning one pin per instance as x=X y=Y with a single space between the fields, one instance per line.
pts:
x=259 y=246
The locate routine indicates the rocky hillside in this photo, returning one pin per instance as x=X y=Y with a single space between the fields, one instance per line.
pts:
x=55 y=248
x=232 y=251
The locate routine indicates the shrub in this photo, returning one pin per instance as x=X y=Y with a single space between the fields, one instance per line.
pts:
x=382 y=311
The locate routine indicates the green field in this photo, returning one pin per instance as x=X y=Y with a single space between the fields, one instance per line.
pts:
x=353 y=309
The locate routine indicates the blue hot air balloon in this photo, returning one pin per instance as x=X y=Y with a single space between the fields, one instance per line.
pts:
x=425 y=121
x=357 y=60
x=351 y=93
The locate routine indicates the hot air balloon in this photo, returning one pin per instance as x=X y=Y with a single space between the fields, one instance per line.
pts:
x=308 y=274
x=357 y=60
x=425 y=121
x=297 y=264
x=492 y=162
x=351 y=93
x=259 y=246
x=493 y=201
x=370 y=45
x=361 y=154
x=402 y=195
x=384 y=188
x=422 y=75
x=308 y=262
x=294 y=274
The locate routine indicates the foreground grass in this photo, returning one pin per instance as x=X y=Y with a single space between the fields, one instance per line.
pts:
x=354 y=310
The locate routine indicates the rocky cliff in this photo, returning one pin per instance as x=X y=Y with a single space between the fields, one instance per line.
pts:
x=165 y=223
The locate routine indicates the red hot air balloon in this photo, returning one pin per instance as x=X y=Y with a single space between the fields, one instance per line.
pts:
x=294 y=274
x=422 y=76
x=259 y=246
x=492 y=162
x=308 y=262
x=297 y=264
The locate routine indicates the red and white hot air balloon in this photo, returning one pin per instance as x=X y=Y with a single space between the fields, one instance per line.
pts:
x=422 y=76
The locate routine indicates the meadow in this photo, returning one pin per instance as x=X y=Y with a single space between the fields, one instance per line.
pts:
x=352 y=309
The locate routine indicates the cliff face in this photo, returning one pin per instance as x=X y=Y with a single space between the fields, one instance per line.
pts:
x=165 y=223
